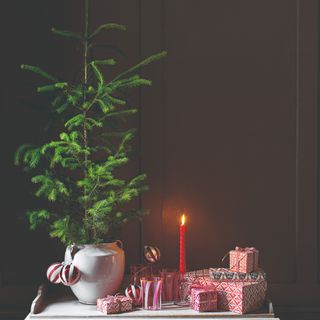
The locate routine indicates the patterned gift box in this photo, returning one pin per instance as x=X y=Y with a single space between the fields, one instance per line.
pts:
x=241 y=297
x=195 y=279
x=114 y=304
x=244 y=260
x=237 y=296
x=203 y=299
x=197 y=273
x=223 y=274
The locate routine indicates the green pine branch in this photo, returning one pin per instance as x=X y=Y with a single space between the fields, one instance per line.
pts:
x=79 y=171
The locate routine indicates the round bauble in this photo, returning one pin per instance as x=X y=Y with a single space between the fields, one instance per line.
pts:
x=69 y=274
x=134 y=293
x=151 y=254
x=53 y=272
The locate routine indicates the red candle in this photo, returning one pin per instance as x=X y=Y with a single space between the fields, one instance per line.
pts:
x=182 y=267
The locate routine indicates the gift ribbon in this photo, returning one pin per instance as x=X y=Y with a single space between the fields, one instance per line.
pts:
x=240 y=249
x=117 y=299
x=245 y=250
x=209 y=300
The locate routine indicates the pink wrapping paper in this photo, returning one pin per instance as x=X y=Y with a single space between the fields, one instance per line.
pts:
x=195 y=279
x=114 y=304
x=244 y=259
x=203 y=299
x=239 y=297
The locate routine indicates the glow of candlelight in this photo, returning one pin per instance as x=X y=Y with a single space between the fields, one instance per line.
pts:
x=183 y=219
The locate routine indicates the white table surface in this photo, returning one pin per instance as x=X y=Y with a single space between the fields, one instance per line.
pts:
x=72 y=309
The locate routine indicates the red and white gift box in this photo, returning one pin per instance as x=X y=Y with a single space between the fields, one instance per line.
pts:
x=244 y=259
x=237 y=296
x=194 y=279
x=203 y=299
x=114 y=304
x=241 y=297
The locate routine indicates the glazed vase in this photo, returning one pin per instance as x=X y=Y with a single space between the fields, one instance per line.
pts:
x=102 y=269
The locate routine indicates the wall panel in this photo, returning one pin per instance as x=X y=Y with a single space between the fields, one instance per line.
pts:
x=228 y=132
x=236 y=144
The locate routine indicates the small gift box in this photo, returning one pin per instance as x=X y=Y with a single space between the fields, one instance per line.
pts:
x=196 y=279
x=203 y=299
x=223 y=274
x=241 y=297
x=244 y=259
x=114 y=304
x=237 y=296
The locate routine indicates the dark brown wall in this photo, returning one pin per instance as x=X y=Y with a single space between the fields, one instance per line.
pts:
x=228 y=132
x=233 y=138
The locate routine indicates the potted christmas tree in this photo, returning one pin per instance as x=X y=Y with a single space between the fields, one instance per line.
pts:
x=78 y=172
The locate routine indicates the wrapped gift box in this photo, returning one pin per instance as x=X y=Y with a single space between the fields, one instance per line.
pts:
x=244 y=260
x=114 y=304
x=198 y=277
x=224 y=274
x=195 y=279
x=198 y=273
x=237 y=296
x=241 y=297
x=203 y=299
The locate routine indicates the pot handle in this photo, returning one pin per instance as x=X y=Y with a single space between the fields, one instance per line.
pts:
x=70 y=252
x=119 y=243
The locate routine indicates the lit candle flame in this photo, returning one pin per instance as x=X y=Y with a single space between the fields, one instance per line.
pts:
x=183 y=219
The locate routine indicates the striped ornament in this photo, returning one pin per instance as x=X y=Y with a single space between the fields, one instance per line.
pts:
x=53 y=272
x=134 y=293
x=151 y=254
x=69 y=274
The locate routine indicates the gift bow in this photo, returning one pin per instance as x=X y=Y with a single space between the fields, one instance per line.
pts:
x=241 y=249
x=246 y=249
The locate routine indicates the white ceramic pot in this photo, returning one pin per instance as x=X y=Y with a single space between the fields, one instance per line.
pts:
x=101 y=267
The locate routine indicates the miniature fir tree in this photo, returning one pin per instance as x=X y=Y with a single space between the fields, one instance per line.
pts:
x=79 y=169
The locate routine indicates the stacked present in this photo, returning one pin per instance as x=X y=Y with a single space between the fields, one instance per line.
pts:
x=241 y=288
x=114 y=304
x=204 y=299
